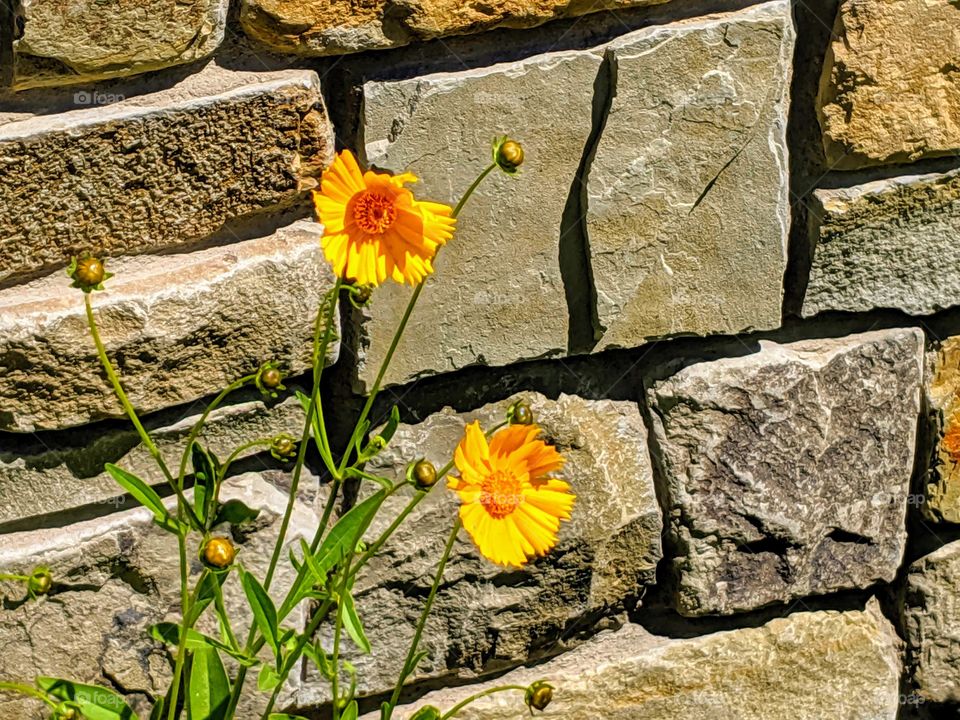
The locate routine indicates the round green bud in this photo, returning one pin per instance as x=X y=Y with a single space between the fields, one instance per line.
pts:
x=40 y=581
x=538 y=695
x=520 y=414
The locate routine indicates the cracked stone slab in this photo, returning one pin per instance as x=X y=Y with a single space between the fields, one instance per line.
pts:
x=806 y=666
x=54 y=475
x=878 y=106
x=688 y=206
x=153 y=173
x=489 y=618
x=942 y=388
x=886 y=244
x=932 y=615
x=497 y=296
x=322 y=27
x=115 y=577
x=176 y=326
x=69 y=41
x=787 y=471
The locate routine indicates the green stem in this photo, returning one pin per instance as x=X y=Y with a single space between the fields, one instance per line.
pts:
x=463 y=703
x=188 y=622
x=131 y=413
x=410 y=664
x=474 y=186
x=15 y=578
x=264 y=442
x=28 y=691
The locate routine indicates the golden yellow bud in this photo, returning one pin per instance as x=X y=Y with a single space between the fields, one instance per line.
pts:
x=539 y=695
x=520 y=414
x=423 y=474
x=219 y=553
x=510 y=155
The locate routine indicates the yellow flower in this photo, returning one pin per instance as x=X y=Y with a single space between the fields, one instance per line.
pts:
x=508 y=505
x=374 y=229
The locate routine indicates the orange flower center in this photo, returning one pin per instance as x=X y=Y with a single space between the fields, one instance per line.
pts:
x=500 y=493
x=374 y=212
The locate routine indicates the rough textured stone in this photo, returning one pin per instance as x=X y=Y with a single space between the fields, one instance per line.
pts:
x=49 y=475
x=807 y=666
x=486 y=617
x=687 y=195
x=882 y=106
x=65 y=41
x=932 y=614
x=115 y=577
x=886 y=244
x=497 y=295
x=178 y=327
x=334 y=27
x=137 y=176
x=942 y=385
x=787 y=470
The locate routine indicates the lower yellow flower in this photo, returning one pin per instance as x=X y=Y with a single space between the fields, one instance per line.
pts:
x=374 y=229
x=508 y=505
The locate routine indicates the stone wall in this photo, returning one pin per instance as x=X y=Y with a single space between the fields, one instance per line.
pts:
x=727 y=280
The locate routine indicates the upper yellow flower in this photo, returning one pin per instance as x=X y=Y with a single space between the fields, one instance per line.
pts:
x=510 y=508
x=373 y=226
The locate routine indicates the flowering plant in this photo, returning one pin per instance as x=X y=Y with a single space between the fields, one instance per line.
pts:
x=375 y=230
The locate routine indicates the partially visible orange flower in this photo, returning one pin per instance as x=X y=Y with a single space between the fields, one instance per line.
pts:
x=951 y=439
x=374 y=229
x=510 y=507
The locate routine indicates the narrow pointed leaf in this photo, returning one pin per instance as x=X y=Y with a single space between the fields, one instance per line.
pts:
x=205 y=480
x=95 y=702
x=209 y=686
x=234 y=512
x=144 y=494
x=350 y=712
x=264 y=611
x=352 y=624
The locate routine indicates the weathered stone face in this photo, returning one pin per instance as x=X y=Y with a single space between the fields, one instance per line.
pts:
x=808 y=666
x=890 y=90
x=787 y=471
x=44 y=476
x=136 y=177
x=64 y=41
x=886 y=244
x=942 y=501
x=178 y=327
x=115 y=577
x=687 y=195
x=333 y=27
x=487 y=617
x=498 y=294
x=932 y=614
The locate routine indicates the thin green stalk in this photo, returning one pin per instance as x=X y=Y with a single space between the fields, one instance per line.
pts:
x=187 y=623
x=128 y=408
x=410 y=664
x=403 y=324
x=15 y=578
x=224 y=617
x=462 y=704
x=198 y=426
x=27 y=690
x=264 y=442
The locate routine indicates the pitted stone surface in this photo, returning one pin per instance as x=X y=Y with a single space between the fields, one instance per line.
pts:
x=69 y=41
x=787 y=470
x=932 y=614
x=176 y=326
x=114 y=578
x=687 y=196
x=886 y=244
x=487 y=617
x=807 y=666
x=136 y=177
x=334 y=27
x=890 y=90
x=497 y=295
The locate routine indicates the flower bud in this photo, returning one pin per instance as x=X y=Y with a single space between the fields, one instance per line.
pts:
x=538 y=695
x=283 y=447
x=88 y=273
x=40 y=581
x=520 y=414
x=67 y=711
x=269 y=379
x=427 y=712
x=511 y=155
x=423 y=474
x=360 y=295
x=219 y=553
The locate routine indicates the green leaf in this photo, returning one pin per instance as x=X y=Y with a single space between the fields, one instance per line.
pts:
x=264 y=611
x=234 y=512
x=95 y=702
x=169 y=633
x=268 y=678
x=427 y=712
x=350 y=712
x=343 y=537
x=210 y=586
x=320 y=659
x=145 y=495
x=209 y=686
x=157 y=712
x=205 y=467
x=352 y=624
x=392 y=424
x=285 y=716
